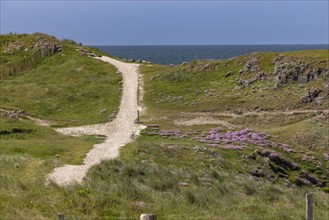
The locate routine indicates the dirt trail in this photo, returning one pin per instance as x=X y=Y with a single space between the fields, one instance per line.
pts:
x=229 y=114
x=205 y=118
x=118 y=132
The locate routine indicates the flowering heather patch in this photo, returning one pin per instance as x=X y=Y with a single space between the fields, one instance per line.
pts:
x=239 y=139
x=231 y=146
x=229 y=140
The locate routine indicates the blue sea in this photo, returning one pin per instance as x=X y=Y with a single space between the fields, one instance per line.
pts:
x=179 y=54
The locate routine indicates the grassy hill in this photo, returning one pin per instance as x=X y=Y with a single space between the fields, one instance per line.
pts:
x=243 y=138
x=68 y=87
x=218 y=86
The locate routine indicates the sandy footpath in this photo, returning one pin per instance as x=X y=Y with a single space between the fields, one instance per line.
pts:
x=118 y=132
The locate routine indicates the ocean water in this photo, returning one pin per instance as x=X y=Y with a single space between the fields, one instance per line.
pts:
x=179 y=54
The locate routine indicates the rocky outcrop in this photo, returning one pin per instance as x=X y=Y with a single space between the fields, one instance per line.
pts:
x=33 y=51
x=12 y=48
x=288 y=70
x=137 y=61
x=229 y=73
x=282 y=162
x=205 y=67
x=305 y=178
x=259 y=76
x=250 y=65
x=257 y=173
x=46 y=46
x=112 y=116
x=311 y=96
x=84 y=51
x=43 y=43
x=14 y=114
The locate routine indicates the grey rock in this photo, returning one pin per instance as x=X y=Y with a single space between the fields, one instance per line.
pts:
x=305 y=178
x=288 y=70
x=15 y=114
x=282 y=162
x=228 y=74
x=183 y=184
x=257 y=173
x=205 y=66
x=311 y=96
x=250 y=65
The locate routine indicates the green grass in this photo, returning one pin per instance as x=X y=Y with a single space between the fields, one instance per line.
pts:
x=165 y=176
x=170 y=91
x=43 y=142
x=67 y=88
x=148 y=178
x=188 y=88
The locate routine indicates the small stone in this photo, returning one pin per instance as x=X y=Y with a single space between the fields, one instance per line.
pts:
x=183 y=184
x=140 y=204
x=228 y=74
x=104 y=110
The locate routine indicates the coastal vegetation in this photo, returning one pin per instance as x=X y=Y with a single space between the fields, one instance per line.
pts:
x=243 y=138
x=67 y=87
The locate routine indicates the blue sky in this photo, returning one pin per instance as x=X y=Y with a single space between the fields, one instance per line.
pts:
x=171 y=22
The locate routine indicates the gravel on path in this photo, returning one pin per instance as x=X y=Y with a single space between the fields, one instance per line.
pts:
x=118 y=132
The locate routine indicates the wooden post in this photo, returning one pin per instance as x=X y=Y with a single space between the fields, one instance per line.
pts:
x=60 y=216
x=137 y=116
x=309 y=206
x=148 y=217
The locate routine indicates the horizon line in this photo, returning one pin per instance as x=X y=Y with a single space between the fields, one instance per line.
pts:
x=327 y=44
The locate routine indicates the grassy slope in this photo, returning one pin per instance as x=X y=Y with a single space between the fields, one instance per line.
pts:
x=155 y=169
x=17 y=40
x=68 y=88
x=150 y=175
x=57 y=89
x=188 y=88
x=43 y=142
x=170 y=90
x=185 y=88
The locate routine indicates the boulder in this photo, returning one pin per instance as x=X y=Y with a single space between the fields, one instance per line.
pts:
x=250 y=65
x=205 y=66
x=112 y=116
x=257 y=173
x=305 y=178
x=311 y=96
x=15 y=114
x=282 y=162
x=228 y=74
